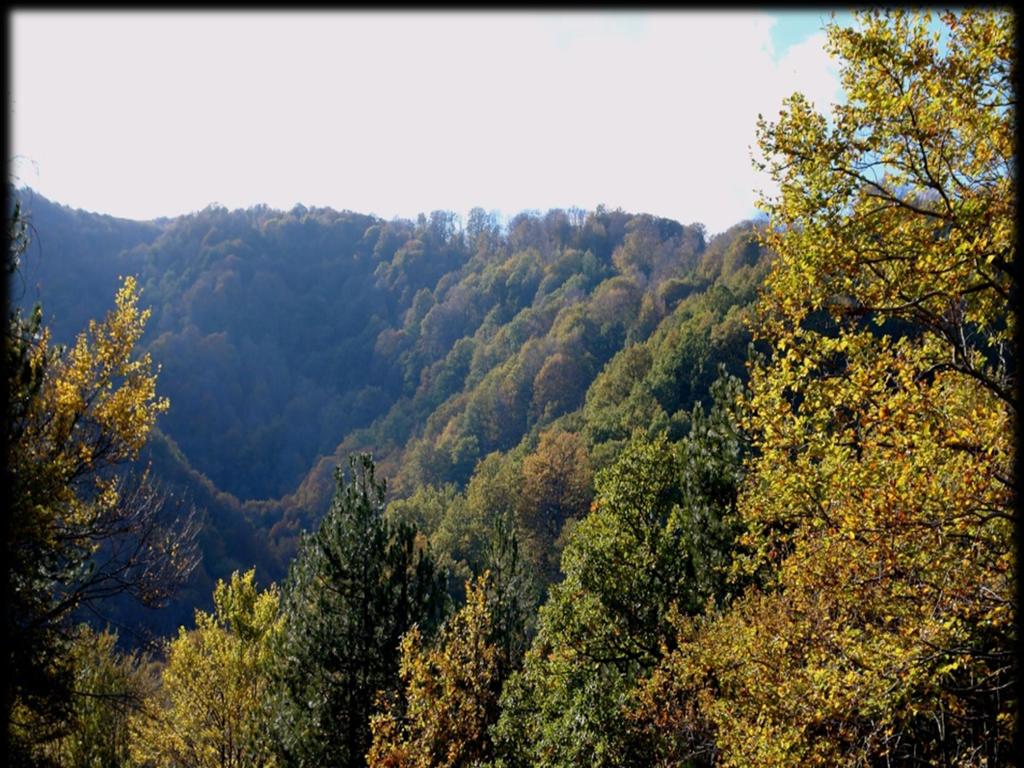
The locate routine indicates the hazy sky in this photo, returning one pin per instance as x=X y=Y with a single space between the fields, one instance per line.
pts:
x=149 y=114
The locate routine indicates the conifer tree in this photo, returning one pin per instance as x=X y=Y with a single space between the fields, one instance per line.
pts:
x=356 y=586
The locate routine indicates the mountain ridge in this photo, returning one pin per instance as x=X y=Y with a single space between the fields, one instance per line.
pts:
x=288 y=340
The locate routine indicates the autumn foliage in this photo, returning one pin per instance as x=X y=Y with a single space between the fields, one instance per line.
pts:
x=881 y=499
x=812 y=564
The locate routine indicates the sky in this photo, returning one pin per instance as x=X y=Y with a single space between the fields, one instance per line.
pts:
x=142 y=115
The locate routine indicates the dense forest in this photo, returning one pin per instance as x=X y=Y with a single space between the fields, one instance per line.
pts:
x=288 y=341
x=310 y=487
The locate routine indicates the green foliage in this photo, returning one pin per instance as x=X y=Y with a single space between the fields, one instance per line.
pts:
x=247 y=298
x=600 y=625
x=449 y=346
x=356 y=586
x=840 y=591
x=449 y=696
x=448 y=704
x=652 y=386
x=108 y=689
x=458 y=537
x=512 y=367
x=656 y=544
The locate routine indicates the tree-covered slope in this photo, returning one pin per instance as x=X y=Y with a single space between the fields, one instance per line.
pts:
x=728 y=501
x=288 y=340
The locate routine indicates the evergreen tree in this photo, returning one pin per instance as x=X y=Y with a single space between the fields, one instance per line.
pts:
x=357 y=585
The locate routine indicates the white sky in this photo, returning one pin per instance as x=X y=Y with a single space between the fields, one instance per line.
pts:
x=157 y=114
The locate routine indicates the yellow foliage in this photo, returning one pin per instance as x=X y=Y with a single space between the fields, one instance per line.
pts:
x=209 y=709
x=95 y=409
x=450 y=697
x=880 y=502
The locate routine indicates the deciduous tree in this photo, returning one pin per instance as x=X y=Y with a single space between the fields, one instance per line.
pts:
x=109 y=686
x=80 y=526
x=210 y=711
x=882 y=500
x=656 y=545
x=449 y=697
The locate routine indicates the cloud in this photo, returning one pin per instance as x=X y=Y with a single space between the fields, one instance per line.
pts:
x=158 y=113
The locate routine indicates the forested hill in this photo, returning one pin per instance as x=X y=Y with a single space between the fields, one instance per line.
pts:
x=288 y=340
x=637 y=496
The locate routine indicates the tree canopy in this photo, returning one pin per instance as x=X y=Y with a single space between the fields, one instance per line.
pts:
x=747 y=499
x=881 y=502
x=81 y=526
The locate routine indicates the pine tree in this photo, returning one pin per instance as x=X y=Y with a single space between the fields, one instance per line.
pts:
x=357 y=585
